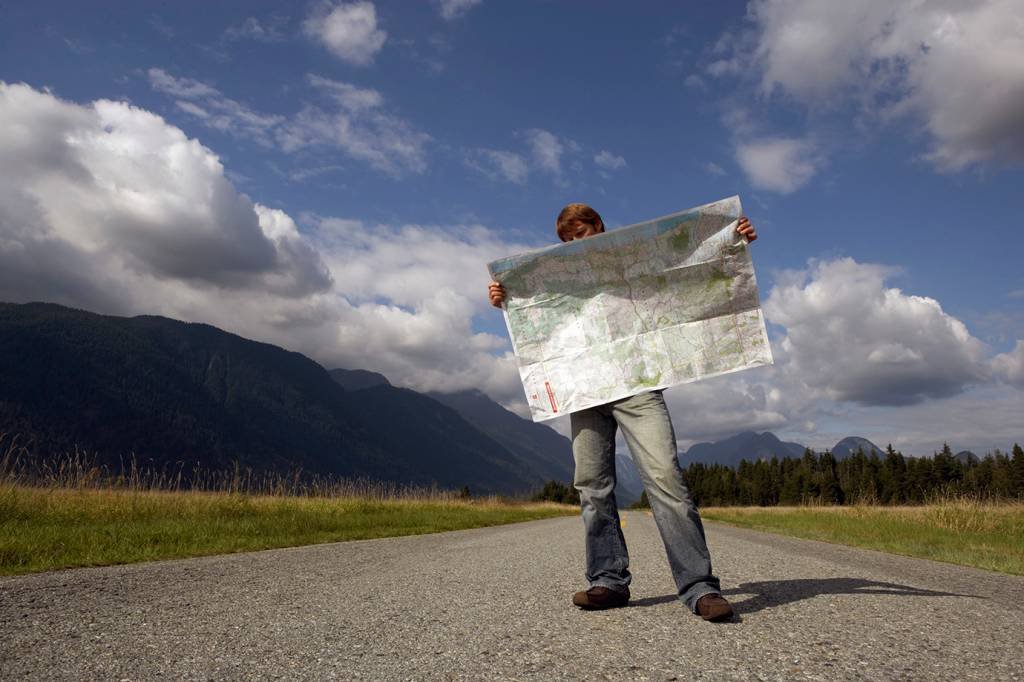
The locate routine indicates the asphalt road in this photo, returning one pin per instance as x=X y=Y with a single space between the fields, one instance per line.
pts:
x=495 y=603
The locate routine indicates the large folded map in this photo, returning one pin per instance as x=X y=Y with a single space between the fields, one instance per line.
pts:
x=643 y=307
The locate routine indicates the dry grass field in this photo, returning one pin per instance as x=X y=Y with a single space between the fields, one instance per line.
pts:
x=67 y=512
x=957 y=530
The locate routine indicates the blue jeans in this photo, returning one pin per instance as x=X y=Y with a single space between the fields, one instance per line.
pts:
x=647 y=428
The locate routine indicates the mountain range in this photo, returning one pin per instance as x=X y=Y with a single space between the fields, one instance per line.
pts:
x=179 y=394
x=184 y=394
x=753 y=446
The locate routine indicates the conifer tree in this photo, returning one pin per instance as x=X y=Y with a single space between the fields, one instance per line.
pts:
x=792 y=485
x=1002 y=478
x=1017 y=476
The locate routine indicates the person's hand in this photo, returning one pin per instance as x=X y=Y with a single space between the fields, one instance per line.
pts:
x=746 y=228
x=496 y=293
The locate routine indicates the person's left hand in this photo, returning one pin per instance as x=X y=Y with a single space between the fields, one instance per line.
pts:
x=746 y=228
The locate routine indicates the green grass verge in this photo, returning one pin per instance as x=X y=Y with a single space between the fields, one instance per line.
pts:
x=965 y=532
x=43 y=529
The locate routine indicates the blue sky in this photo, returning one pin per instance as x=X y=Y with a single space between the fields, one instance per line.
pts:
x=333 y=177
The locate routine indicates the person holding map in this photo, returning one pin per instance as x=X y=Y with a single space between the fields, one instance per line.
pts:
x=647 y=428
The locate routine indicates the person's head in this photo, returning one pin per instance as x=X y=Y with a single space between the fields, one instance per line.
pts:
x=577 y=221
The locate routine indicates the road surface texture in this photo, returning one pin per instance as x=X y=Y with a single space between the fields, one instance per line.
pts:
x=495 y=603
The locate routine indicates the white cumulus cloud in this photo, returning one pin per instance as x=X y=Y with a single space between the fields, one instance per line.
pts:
x=116 y=211
x=778 y=164
x=348 y=30
x=716 y=408
x=857 y=354
x=118 y=189
x=1010 y=366
x=416 y=289
x=958 y=68
x=854 y=339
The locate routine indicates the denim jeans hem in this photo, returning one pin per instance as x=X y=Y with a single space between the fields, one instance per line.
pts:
x=616 y=587
x=693 y=596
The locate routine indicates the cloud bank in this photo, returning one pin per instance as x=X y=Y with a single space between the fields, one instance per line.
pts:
x=856 y=340
x=852 y=345
x=951 y=73
x=115 y=210
x=955 y=66
x=111 y=183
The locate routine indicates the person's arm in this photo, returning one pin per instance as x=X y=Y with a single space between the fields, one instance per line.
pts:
x=496 y=293
x=746 y=228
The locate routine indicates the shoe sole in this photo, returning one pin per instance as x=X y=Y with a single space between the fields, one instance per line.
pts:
x=588 y=605
x=595 y=607
x=718 y=617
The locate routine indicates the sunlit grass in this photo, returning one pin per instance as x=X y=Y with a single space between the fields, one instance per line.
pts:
x=68 y=512
x=958 y=530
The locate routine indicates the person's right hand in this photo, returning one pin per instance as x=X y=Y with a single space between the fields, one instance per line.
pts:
x=496 y=293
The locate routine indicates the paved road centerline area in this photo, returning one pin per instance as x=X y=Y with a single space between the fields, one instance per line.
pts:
x=495 y=603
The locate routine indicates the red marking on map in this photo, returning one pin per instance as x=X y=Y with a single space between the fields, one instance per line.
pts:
x=551 y=396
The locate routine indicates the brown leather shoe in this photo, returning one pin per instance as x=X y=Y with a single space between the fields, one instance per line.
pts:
x=600 y=598
x=714 y=607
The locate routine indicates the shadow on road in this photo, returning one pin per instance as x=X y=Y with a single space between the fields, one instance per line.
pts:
x=771 y=593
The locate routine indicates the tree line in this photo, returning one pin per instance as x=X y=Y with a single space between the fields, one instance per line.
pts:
x=821 y=478
x=889 y=478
